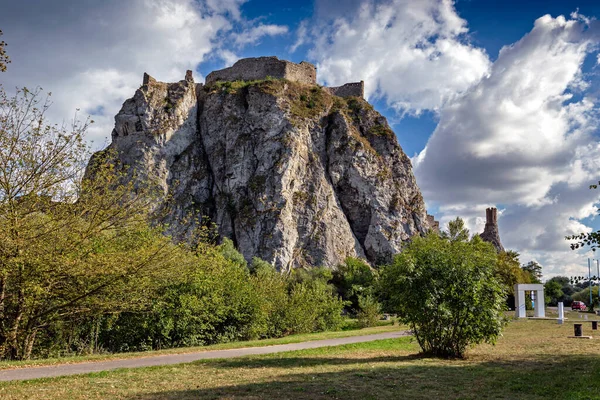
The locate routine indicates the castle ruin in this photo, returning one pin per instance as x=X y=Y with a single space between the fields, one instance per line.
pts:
x=491 y=233
x=258 y=68
x=433 y=224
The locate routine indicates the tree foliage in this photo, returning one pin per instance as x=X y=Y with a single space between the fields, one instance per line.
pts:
x=369 y=311
x=4 y=59
x=457 y=231
x=217 y=300
x=553 y=292
x=68 y=245
x=353 y=279
x=534 y=270
x=446 y=291
x=509 y=272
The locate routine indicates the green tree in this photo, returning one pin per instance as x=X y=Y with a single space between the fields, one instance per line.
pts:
x=231 y=253
x=353 y=279
x=534 y=270
x=4 y=59
x=369 y=311
x=68 y=245
x=553 y=292
x=508 y=270
x=456 y=231
x=446 y=291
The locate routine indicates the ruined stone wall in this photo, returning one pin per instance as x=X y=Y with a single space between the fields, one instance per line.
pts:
x=303 y=72
x=248 y=69
x=356 y=89
x=433 y=224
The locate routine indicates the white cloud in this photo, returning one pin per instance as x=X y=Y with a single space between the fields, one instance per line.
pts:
x=92 y=54
x=228 y=57
x=524 y=138
x=413 y=53
x=253 y=35
x=301 y=34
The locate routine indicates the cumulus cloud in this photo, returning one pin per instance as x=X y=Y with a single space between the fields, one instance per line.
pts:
x=253 y=35
x=415 y=54
x=524 y=138
x=92 y=54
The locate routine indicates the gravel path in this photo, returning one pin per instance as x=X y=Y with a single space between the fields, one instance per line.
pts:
x=168 y=359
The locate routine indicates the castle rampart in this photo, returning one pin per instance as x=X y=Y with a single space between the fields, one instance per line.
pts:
x=356 y=89
x=248 y=69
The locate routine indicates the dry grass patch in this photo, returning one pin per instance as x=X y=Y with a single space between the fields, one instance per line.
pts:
x=533 y=360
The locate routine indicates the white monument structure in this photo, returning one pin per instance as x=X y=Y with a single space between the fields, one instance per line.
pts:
x=537 y=297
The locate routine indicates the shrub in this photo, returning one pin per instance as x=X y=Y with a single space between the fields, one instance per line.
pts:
x=446 y=291
x=369 y=311
x=352 y=279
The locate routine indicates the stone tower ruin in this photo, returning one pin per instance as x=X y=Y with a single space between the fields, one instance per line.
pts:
x=491 y=233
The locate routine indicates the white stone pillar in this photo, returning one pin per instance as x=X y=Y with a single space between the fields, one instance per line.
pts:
x=520 y=310
x=540 y=309
x=561 y=313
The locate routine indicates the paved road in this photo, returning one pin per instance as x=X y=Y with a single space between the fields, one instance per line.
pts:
x=86 y=367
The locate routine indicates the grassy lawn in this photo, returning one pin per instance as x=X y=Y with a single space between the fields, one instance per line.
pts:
x=384 y=327
x=533 y=360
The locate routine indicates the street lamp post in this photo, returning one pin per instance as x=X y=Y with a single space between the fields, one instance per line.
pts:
x=598 y=278
x=590 y=280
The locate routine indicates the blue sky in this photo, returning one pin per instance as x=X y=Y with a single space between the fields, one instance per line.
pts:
x=496 y=102
x=492 y=24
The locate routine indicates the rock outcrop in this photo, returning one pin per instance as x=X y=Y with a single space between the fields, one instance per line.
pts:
x=290 y=172
x=491 y=233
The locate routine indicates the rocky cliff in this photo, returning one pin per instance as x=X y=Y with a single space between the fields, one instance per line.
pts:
x=291 y=173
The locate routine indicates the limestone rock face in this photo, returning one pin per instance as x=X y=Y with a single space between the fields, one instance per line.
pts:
x=291 y=173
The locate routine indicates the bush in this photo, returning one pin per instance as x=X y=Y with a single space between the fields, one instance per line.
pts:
x=369 y=311
x=218 y=299
x=353 y=279
x=446 y=291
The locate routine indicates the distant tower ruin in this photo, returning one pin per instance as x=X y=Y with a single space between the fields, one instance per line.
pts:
x=491 y=233
x=433 y=224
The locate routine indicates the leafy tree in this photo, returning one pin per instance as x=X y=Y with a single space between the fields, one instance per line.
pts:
x=534 y=270
x=258 y=265
x=456 y=231
x=508 y=270
x=353 y=279
x=564 y=292
x=553 y=292
x=4 y=59
x=231 y=253
x=446 y=291
x=67 y=245
x=369 y=311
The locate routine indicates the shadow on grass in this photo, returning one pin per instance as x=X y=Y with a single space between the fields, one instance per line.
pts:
x=567 y=377
x=306 y=362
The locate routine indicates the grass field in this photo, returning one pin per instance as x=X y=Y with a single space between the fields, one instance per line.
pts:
x=533 y=360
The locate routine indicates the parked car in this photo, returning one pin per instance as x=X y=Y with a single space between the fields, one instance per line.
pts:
x=578 y=305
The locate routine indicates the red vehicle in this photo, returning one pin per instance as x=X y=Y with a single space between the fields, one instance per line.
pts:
x=578 y=305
